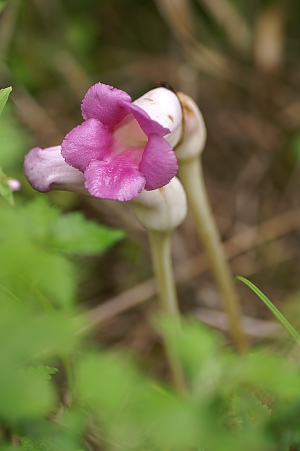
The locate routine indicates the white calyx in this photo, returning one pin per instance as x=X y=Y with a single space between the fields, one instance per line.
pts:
x=162 y=209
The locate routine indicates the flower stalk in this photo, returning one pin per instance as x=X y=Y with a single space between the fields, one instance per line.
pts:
x=191 y=174
x=160 y=244
x=160 y=211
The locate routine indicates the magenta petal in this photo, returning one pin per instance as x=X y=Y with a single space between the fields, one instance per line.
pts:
x=147 y=124
x=118 y=179
x=159 y=162
x=105 y=103
x=89 y=141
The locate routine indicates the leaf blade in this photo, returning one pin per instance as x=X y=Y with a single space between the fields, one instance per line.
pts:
x=283 y=321
x=4 y=94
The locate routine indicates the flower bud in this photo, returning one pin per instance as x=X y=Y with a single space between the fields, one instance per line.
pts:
x=194 y=131
x=163 y=209
x=13 y=184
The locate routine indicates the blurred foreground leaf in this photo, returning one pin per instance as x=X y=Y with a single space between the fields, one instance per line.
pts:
x=5 y=190
x=28 y=339
x=73 y=233
x=4 y=94
x=32 y=237
x=33 y=445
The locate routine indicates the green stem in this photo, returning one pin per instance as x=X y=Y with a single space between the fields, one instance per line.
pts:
x=191 y=175
x=160 y=243
x=66 y=361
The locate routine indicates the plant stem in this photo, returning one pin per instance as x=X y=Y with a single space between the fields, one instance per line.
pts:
x=191 y=175
x=160 y=243
x=66 y=361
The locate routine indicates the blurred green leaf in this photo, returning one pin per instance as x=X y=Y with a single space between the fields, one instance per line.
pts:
x=274 y=374
x=25 y=333
x=32 y=272
x=294 y=147
x=107 y=381
x=33 y=445
x=32 y=238
x=73 y=233
x=43 y=370
x=248 y=409
x=169 y=421
x=198 y=350
x=14 y=140
x=24 y=395
x=4 y=94
x=5 y=190
x=2 y=4
x=27 y=339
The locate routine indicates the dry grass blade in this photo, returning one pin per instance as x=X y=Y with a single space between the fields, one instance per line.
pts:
x=232 y=22
x=269 y=37
x=179 y=15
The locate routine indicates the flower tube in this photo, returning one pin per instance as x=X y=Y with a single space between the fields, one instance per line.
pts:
x=120 y=149
x=46 y=169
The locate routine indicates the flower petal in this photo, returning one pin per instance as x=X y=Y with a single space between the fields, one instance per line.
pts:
x=105 y=103
x=46 y=169
x=163 y=106
x=89 y=141
x=159 y=162
x=118 y=179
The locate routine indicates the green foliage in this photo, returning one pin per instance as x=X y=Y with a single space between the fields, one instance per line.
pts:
x=26 y=338
x=232 y=402
x=31 y=240
x=39 y=329
x=72 y=233
x=14 y=140
x=33 y=445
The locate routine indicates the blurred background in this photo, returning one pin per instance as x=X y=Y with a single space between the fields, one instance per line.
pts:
x=239 y=60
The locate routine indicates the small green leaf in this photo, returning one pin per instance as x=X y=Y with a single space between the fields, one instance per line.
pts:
x=73 y=233
x=4 y=94
x=284 y=322
x=5 y=190
x=44 y=371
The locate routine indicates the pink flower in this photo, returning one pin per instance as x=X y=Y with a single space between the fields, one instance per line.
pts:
x=120 y=149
